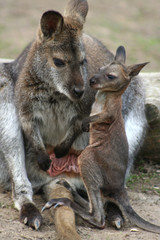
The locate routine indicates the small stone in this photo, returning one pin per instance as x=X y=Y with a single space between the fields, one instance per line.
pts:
x=134 y=230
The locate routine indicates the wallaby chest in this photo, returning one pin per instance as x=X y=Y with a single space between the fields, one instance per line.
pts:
x=53 y=118
x=98 y=105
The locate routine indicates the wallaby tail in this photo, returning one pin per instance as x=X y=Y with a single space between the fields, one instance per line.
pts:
x=121 y=199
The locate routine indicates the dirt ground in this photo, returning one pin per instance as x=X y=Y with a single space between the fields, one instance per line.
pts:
x=144 y=194
x=134 y=24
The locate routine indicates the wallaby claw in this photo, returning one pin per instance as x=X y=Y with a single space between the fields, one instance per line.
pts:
x=53 y=203
x=37 y=224
x=25 y=220
x=117 y=223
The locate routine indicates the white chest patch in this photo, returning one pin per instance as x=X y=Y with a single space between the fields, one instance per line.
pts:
x=98 y=105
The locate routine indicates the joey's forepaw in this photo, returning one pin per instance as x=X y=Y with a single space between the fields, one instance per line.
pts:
x=43 y=161
x=85 y=126
x=30 y=215
x=60 y=151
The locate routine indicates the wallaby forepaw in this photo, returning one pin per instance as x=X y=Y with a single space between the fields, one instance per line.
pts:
x=30 y=215
x=60 y=151
x=85 y=126
x=43 y=161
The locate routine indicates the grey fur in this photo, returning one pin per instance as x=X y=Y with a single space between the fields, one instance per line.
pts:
x=18 y=157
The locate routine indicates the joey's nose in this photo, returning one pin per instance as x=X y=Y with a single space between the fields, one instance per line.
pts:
x=92 y=81
x=78 y=92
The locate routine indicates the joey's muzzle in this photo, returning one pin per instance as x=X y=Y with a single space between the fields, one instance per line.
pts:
x=93 y=81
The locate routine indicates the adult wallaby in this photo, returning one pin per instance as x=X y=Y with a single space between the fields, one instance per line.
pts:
x=49 y=77
x=103 y=163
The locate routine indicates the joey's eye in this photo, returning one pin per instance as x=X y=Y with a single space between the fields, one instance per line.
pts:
x=58 y=62
x=110 y=76
x=84 y=61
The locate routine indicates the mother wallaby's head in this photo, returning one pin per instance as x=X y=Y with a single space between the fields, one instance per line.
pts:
x=60 y=51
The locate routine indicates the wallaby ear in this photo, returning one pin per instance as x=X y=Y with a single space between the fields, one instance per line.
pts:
x=134 y=70
x=77 y=10
x=120 y=54
x=51 y=23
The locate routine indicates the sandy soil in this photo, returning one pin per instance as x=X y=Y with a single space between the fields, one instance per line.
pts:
x=147 y=205
x=135 y=24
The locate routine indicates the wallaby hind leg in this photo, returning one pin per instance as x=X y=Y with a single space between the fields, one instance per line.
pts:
x=114 y=214
x=96 y=217
x=64 y=216
x=96 y=207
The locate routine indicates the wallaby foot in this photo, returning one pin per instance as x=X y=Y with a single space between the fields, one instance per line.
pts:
x=114 y=215
x=97 y=221
x=30 y=215
x=77 y=197
x=64 y=216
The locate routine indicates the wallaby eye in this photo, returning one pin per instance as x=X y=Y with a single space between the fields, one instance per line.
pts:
x=58 y=62
x=111 y=76
x=84 y=61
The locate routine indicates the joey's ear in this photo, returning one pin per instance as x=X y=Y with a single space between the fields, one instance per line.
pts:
x=51 y=23
x=77 y=10
x=120 y=54
x=133 y=70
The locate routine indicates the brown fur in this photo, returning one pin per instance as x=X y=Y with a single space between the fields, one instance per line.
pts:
x=64 y=217
x=103 y=163
x=37 y=90
x=35 y=96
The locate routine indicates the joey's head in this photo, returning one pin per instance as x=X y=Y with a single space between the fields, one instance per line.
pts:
x=116 y=76
x=60 y=52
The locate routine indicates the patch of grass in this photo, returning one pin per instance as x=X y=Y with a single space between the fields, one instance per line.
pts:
x=144 y=182
x=4 y=45
x=2 y=28
x=12 y=206
x=132 y=180
x=147 y=43
x=3 y=205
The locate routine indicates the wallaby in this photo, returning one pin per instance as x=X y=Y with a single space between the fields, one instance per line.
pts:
x=103 y=163
x=38 y=92
x=49 y=77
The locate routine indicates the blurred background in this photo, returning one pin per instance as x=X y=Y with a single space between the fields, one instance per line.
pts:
x=134 y=24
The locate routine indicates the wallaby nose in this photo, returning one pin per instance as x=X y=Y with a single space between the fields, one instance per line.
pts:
x=78 y=91
x=92 y=81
